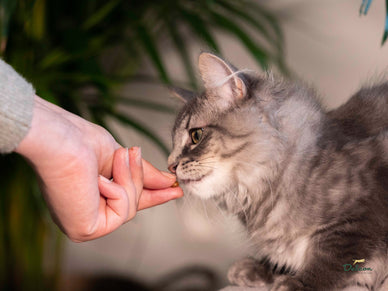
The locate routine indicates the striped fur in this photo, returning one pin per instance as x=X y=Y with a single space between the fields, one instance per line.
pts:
x=310 y=186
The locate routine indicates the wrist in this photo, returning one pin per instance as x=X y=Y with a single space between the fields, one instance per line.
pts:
x=44 y=118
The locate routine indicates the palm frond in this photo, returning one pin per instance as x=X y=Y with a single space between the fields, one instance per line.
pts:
x=138 y=126
x=79 y=54
x=180 y=46
x=199 y=27
x=150 y=46
x=261 y=56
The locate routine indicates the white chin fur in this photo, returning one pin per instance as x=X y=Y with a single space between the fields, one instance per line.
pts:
x=216 y=183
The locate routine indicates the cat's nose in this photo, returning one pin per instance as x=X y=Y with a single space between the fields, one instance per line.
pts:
x=172 y=168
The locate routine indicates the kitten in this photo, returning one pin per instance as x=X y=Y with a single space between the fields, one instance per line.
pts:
x=310 y=186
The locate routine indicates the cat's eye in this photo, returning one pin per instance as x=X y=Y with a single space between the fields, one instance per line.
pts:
x=196 y=135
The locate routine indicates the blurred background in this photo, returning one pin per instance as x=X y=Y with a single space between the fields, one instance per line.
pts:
x=112 y=62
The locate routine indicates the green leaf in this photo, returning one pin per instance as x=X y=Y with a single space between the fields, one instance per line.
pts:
x=146 y=105
x=263 y=22
x=150 y=48
x=385 y=35
x=246 y=17
x=269 y=17
x=125 y=119
x=38 y=18
x=259 y=54
x=100 y=14
x=197 y=25
x=99 y=119
x=181 y=48
x=54 y=58
x=7 y=9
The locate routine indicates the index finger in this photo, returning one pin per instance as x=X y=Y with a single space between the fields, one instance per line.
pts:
x=155 y=179
x=150 y=198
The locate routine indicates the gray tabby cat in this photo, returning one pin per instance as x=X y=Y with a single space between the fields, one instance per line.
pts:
x=310 y=186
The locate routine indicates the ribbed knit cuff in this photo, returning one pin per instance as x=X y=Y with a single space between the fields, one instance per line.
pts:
x=16 y=107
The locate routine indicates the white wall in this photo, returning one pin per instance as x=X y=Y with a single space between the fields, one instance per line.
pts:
x=328 y=45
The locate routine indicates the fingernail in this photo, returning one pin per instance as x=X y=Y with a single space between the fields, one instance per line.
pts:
x=106 y=180
x=127 y=157
x=168 y=175
x=137 y=152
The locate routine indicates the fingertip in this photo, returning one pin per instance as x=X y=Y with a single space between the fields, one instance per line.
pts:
x=121 y=159
x=127 y=157
x=121 y=169
x=178 y=192
x=104 y=180
x=168 y=175
x=108 y=189
x=104 y=184
x=136 y=153
x=151 y=198
x=156 y=179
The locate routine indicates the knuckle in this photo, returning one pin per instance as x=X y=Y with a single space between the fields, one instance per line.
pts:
x=131 y=213
x=131 y=216
x=82 y=233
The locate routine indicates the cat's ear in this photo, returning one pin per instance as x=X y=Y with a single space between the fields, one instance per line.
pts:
x=182 y=94
x=221 y=77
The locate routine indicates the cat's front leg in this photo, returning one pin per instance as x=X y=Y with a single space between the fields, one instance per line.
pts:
x=248 y=272
x=288 y=283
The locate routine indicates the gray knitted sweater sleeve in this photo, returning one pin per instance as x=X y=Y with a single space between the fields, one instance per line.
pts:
x=16 y=106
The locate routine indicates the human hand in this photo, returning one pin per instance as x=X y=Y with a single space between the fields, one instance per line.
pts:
x=136 y=185
x=71 y=155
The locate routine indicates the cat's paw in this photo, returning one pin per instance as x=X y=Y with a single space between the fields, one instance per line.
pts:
x=249 y=273
x=287 y=283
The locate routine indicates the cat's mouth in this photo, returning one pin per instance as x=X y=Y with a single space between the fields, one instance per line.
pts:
x=187 y=181
x=192 y=180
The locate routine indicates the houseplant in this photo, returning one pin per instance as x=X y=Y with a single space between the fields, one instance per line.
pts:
x=64 y=48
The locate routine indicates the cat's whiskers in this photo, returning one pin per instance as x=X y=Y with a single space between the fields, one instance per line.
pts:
x=227 y=78
x=205 y=210
x=236 y=198
x=210 y=167
x=267 y=180
x=204 y=159
x=187 y=200
x=219 y=209
x=270 y=190
x=207 y=163
x=190 y=201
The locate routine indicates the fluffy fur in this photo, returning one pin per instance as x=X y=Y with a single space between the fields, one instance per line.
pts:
x=310 y=186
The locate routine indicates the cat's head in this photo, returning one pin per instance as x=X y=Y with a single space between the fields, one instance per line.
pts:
x=226 y=139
